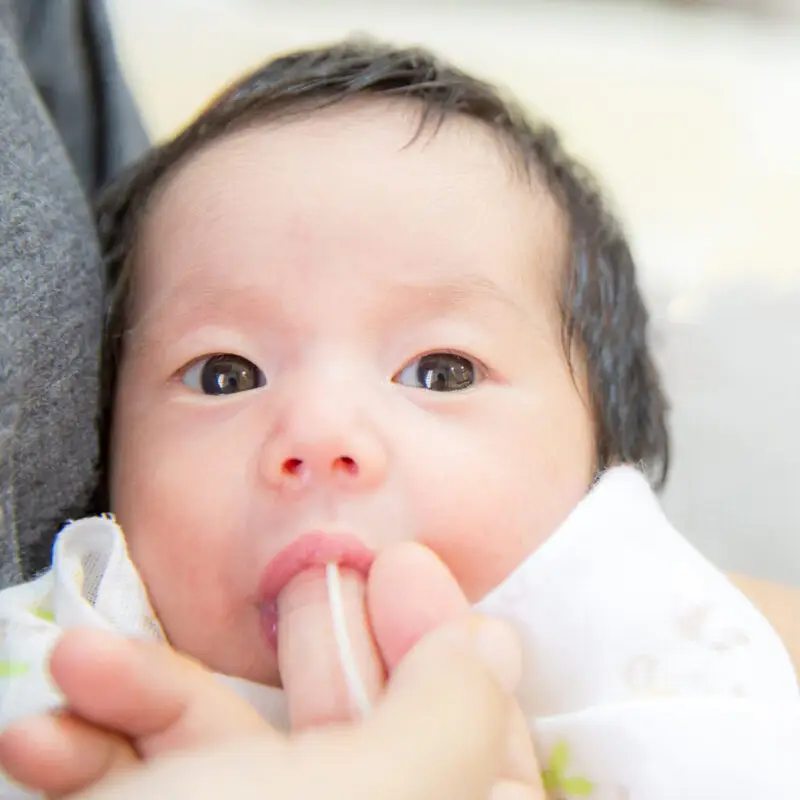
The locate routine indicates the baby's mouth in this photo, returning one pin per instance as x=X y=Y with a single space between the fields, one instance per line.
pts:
x=311 y=552
x=328 y=661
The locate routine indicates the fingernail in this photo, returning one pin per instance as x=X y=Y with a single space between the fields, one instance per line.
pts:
x=497 y=645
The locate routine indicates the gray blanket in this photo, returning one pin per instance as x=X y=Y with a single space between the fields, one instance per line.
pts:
x=67 y=124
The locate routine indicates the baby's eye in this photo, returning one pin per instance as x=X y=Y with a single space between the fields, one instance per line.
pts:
x=439 y=372
x=223 y=374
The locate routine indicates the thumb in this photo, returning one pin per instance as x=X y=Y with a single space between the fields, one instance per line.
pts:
x=442 y=728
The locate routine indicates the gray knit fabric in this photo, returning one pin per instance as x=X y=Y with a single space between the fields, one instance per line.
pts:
x=50 y=277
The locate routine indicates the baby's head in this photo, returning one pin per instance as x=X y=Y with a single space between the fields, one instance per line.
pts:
x=360 y=294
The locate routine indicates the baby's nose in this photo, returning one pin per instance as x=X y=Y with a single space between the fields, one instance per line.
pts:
x=354 y=460
x=297 y=468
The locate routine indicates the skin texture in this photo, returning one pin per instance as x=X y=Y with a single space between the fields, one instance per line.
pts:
x=302 y=262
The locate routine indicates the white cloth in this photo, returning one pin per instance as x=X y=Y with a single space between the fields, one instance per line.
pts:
x=648 y=675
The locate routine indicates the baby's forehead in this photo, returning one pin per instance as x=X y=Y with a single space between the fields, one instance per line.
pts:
x=356 y=186
x=373 y=126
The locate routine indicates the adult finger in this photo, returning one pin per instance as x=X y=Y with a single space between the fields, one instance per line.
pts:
x=461 y=676
x=156 y=697
x=458 y=676
x=410 y=592
x=312 y=673
x=57 y=754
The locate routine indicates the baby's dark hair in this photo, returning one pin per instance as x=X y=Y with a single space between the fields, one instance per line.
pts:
x=604 y=317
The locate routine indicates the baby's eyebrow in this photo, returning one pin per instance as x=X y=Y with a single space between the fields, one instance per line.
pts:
x=172 y=313
x=450 y=294
x=402 y=299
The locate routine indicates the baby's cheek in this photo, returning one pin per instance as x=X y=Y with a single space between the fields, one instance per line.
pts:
x=180 y=519
x=181 y=556
x=494 y=506
x=483 y=538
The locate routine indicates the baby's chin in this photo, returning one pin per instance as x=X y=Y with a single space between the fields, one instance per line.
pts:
x=257 y=664
x=266 y=674
x=259 y=667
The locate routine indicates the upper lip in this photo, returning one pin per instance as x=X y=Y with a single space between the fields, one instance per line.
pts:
x=314 y=549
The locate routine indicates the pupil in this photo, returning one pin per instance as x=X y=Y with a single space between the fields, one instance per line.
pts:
x=227 y=376
x=445 y=373
x=227 y=382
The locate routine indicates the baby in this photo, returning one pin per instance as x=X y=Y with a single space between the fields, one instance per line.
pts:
x=363 y=300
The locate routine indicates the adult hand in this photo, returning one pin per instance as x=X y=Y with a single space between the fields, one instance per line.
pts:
x=445 y=727
x=130 y=701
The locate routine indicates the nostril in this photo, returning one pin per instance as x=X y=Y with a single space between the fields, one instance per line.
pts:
x=346 y=464
x=292 y=466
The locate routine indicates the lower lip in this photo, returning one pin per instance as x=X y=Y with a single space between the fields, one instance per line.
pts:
x=311 y=552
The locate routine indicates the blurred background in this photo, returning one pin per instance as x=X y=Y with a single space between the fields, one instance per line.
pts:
x=689 y=112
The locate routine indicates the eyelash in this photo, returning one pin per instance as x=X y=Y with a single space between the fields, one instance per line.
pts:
x=469 y=373
x=478 y=370
x=252 y=373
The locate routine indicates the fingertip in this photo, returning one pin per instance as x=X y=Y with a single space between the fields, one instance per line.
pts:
x=410 y=592
x=79 y=639
x=110 y=680
x=79 y=648
x=36 y=735
x=58 y=754
x=12 y=740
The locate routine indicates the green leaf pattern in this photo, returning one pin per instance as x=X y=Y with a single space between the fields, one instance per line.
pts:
x=13 y=669
x=557 y=783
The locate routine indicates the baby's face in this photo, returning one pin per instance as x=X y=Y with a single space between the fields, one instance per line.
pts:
x=335 y=332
